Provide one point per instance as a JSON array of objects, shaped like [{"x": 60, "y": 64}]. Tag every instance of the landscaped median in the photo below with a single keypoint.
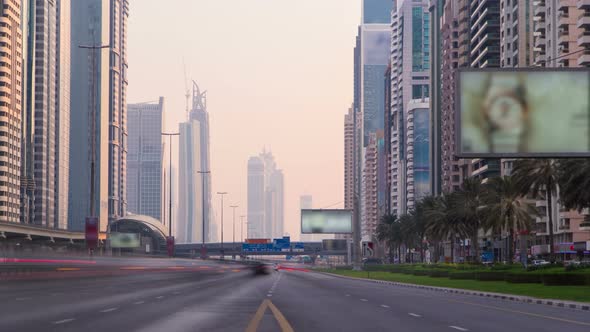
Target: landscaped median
[{"x": 548, "y": 283}]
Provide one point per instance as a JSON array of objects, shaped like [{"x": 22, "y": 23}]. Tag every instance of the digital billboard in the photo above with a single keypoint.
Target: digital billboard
[
  {"x": 523, "y": 112},
  {"x": 326, "y": 221},
  {"x": 124, "y": 240}
]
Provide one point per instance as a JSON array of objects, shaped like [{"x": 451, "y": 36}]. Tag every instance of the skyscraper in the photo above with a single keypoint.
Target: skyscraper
[
  {"x": 98, "y": 23},
  {"x": 255, "y": 197},
  {"x": 46, "y": 125},
  {"x": 410, "y": 72},
  {"x": 265, "y": 197},
  {"x": 144, "y": 159},
  {"x": 11, "y": 66},
  {"x": 348, "y": 159},
  {"x": 194, "y": 188}
]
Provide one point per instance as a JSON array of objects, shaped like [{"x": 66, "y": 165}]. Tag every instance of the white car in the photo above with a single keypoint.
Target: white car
[{"x": 539, "y": 262}]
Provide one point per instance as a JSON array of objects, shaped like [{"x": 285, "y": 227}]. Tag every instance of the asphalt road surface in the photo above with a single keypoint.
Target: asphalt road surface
[{"x": 205, "y": 296}]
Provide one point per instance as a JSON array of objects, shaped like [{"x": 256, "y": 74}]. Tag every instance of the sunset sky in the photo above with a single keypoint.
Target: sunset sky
[{"x": 279, "y": 75}]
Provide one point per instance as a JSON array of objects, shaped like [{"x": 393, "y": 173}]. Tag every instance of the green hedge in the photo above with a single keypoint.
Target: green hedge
[
  {"x": 563, "y": 279},
  {"x": 523, "y": 277},
  {"x": 462, "y": 275},
  {"x": 490, "y": 275},
  {"x": 439, "y": 273},
  {"x": 421, "y": 272}
]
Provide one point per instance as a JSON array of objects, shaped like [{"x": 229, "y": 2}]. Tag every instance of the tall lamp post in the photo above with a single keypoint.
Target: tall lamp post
[
  {"x": 222, "y": 194},
  {"x": 170, "y": 241},
  {"x": 242, "y": 228},
  {"x": 203, "y": 249},
  {"x": 92, "y": 217}
]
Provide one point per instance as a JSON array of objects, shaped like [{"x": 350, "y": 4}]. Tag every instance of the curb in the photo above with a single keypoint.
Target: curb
[{"x": 508, "y": 297}]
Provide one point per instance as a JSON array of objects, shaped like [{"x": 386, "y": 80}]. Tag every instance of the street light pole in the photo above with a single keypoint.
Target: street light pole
[
  {"x": 170, "y": 183},
  {"x": 234, "y": 224},
  {"x": 222, "y": 194},
  {"x": 203, "y": 253}
]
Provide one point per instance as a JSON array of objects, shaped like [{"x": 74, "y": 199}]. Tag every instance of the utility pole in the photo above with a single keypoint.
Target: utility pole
[
  {"x": 203, "y": 248},
  {"x": 242, "y": 228},
  {"x": 222, "y": 194}
]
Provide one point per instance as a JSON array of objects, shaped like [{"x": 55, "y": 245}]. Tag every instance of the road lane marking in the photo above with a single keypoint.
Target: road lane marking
[
  {"x": 269, "y": 295},
  {"x": 68, "y": 269},
  {"x": 280, "y": 318},
  {"x": 139, "y": 302},
  {"x": 176, "y": 293},
  {"x": 235, "y": 270},
  {"x": 109, "y": 309},
  {"x": 159, "y": 297},
  {"x": 364, "y": 300},
  {"x": 522, "y": 312},
  {"x": 385, "y": 306},
  {"x": 414, "y": 315},
  {"x": 347, "y": 295},
  {"x": 458, "y": 328},
  {"x": 23, "y": 298},
  {"x": 63, "y": 321},
  {"x": 133, "y": 268}
]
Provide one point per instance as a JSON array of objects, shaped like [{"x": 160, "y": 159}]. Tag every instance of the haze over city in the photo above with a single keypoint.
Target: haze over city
[{"x": 265, "y": 88}]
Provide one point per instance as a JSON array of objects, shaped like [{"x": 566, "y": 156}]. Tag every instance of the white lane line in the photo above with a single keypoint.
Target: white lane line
[
  {"x": 364, "y": 300},
  {"x": 159, "y": 297},
  {"x": 23, "y": 298},
  {"x": 269, "y": 295},
  {"x": 347, "y": 295},
  {"x": 413, "y": 314},
  {"x": 458, "y": 328},
  {"x": 109, "y": 309},
  {"x": 64, "y": 321},
  {"x": 139, "y": 302},
  {"x": 385, "y": 306}
]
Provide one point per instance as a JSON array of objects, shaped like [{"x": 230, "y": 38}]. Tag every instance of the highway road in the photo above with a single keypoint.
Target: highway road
[{"x": 206, "y": 296}]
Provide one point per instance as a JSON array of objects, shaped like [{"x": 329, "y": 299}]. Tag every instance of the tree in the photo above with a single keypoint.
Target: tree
[
  {"x": 388, "y": 233},
  {"x": 421, "y": 221},
  {"x": 443, "y": 221},
  {"x": 408, "y": 231},
  {"x": 574, "y": 181},
  {"x": 469, "y": 204},
  {"x": 505, "y": 209},
  {"x": 538, "y": 177}
]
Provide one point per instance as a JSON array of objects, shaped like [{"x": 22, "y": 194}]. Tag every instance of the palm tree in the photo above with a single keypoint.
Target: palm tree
[
  {"x": 505, "y": 209},
  {"x": 443, "y": 221},
  {"x": 469, "y": 203},
  {"x": 421, "y": 221},
  {"x": 408, "y": 231},
  {"x": 574, "y": 181},
  {"x": 534, "y": 177},
  {"x": 386, "y": 232}
]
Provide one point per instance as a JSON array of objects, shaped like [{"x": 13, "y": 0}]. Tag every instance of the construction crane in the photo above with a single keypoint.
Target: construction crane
[{"x": 187, "y": 94}]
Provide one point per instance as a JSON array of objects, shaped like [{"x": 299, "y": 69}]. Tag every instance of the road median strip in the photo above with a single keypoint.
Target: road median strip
[{"x": 502, "y": 296}]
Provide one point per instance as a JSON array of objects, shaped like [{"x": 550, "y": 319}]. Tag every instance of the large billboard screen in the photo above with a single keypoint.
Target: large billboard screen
[
  {"x": 326, "y": 221},
  {"x": 124, "y": 240},
  {"x": 523, "y": 112}
]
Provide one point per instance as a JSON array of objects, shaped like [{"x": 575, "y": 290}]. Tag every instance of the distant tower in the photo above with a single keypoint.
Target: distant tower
[{"x": 194, "y": 157}]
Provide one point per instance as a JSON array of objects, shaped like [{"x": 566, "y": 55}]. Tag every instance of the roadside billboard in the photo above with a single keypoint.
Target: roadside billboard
[
  {"x": 333, "y": 221},
  {"x": 523, "y": 112},
  {"x": 124, "y": 240}
]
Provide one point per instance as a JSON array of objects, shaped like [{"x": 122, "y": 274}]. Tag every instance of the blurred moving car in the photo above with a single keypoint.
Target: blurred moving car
[{"x": 261, "y": 268}]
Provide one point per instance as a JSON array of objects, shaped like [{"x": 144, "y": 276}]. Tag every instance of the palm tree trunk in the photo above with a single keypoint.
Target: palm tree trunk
[
  {"x": 550, "y": 212},
  {"x": 511, "y": 247},
  {"x": 475, "y": 246},
  {"x": 452, "y": 250},
  {"x": 399, "y": 254}
]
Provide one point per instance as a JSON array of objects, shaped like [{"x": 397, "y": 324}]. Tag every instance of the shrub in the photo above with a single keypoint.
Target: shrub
[
  {"x": 563, "y": 279},
  {"x": 523, "y": 277},
  {"x": 439, "y": 273},
  {"x": 421, "y": 272},
  {"x": 462, "y": 275},
  {"x": 543, "y": 267},
  {"x": 490, "y": 275}
]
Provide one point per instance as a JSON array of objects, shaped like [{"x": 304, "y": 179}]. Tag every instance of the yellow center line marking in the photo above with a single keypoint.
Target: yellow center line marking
[
  {"x": 523, "y": 313},
  {"x": 67, "y": 269},
  {"x": 283, "y": 323},
  {"x": 235, "y": 270}
]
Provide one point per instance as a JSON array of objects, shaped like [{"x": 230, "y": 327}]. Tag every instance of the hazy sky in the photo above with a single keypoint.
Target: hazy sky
[{"x": 278, "y": 74}]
